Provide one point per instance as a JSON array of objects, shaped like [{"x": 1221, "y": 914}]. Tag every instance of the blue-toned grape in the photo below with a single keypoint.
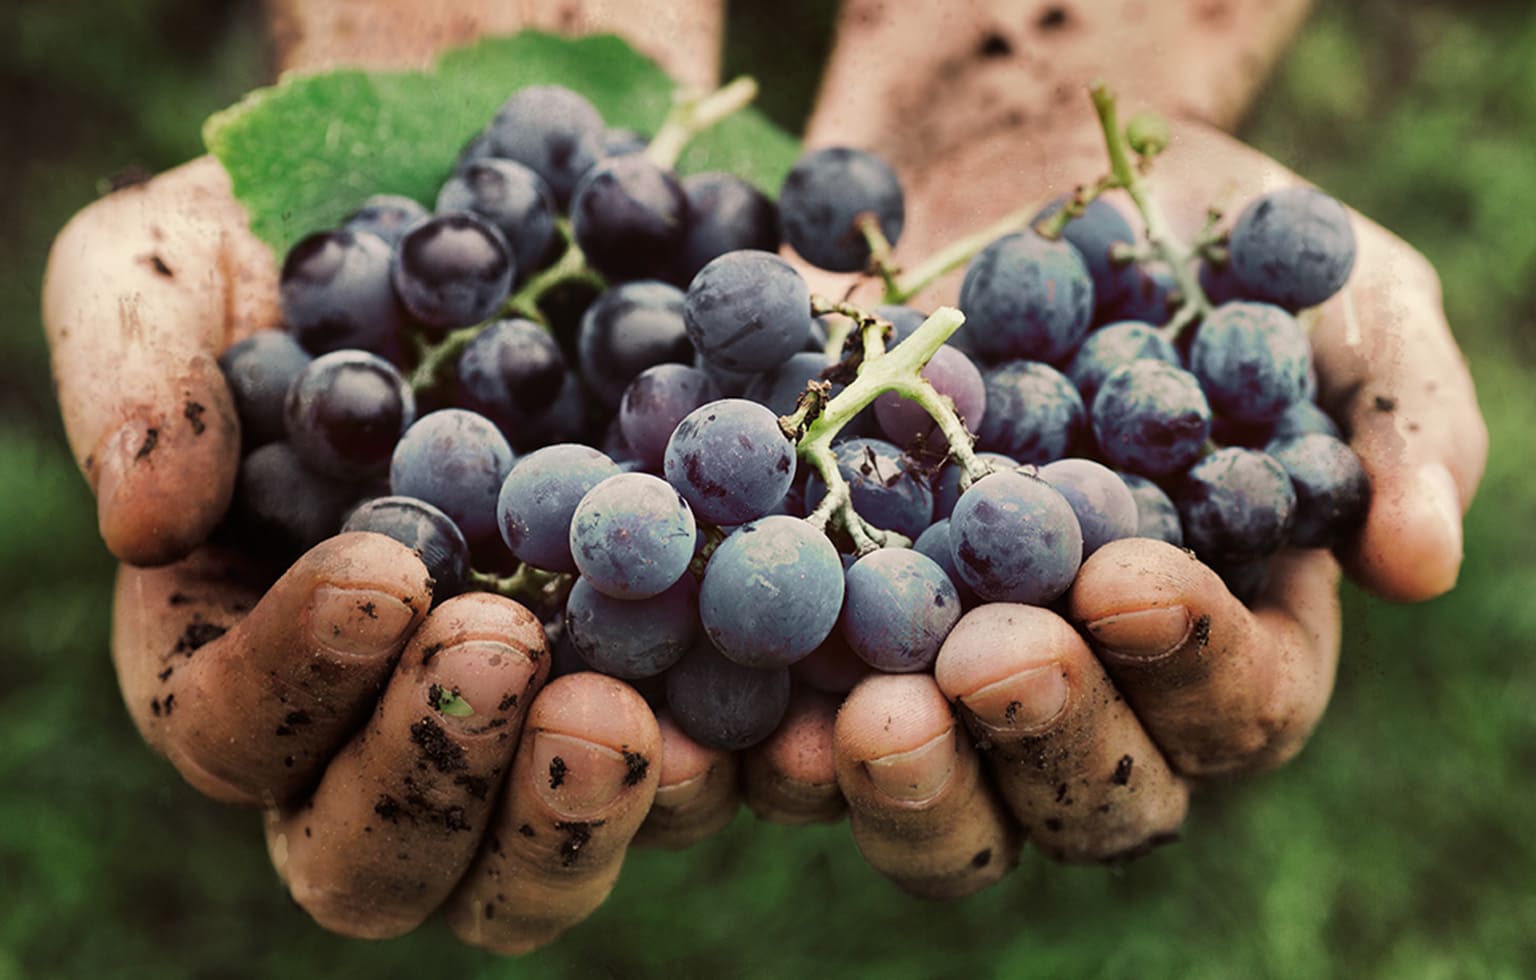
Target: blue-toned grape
[
  {"x": 1236, "y": 506},
  {"x": 1094, "y": 234},
  {"x": 1293, "y": 247},
  {"x": 630, "y": 218},
  {"x": 452, "y": 270},
  {"x": 1156, "y": 516},
  {"x": 888, "y": 490},
  {"x": 1014, "y": 538},
  {"x": 1332, "y": 491},
  {"x": 1152, "y": 297},
  {"x": 823, "y": 196},
  {"x": 1026, "y": 297},
  {"x": 425, "y": 529},
  {"x": 631, "y": 327},
  {"x": 1252, "y": 360},
  {"x": 748, "y": 311},
  {"x": 934, "y": 542},
  {"x": 514, "y": 199},
  {"x": 772, "y": 592},
  {"x": 1105, "y": 507},
  {"x": 1219, "y": 284},
  {"x": 946, "y": 488},
  {"x": 281, "y": 507},
  {"x": 633, "y": 638},
  {"x": 730, "y": 461},
  {"x": 539, "y": 498},
  {"x": 899, "y": 606},
  {"x": 632, "y": 536},
  {"x": 260, "y": 369},
  {"x": 552, "y": 131},
  {"x": 345, "y": 412},
  {"x": 725, "y": 705},
  {"x": 511, "y": 372},
  {"x": 725, "y": 213},
  {"x": 336, "y": 294},
  {"x": 952, "y": 375},
  {"x": 655, "y": 402},
  {"x": 1113, "y": 345},
  {"x": 1150, "y": 418},
  {"x": 1034, "y": 414},
  {"x": 1304, "y": 416},
  {"x": 455, "y": 460},
  {"x": 389, "y": 216}
]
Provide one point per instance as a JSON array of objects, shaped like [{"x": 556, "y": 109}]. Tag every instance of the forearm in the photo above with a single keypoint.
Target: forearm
[{"x": 316, "y": 34}]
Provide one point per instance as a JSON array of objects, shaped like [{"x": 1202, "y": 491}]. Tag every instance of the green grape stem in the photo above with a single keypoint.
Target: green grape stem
[
  {"x": 692, "y": 114},
  {"x": 527, "y": 584},
  {"x": 954, "y": 255}
]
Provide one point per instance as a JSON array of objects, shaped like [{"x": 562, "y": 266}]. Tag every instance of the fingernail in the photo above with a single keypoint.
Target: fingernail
[
  {"x": 577, "y": 778},
  {"x": 1142, "y": 635},
  {"x": 476, "y": 686},
  {"x": 1438, "y": 489},
  {"x": 670, "y": 797},
  {"x": 1026, "y": 701},
  {"x": 917, "y": 775},
  {"x": 358, "y": 622}
]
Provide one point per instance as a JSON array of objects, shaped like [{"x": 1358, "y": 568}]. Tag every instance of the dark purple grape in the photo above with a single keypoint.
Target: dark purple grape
[
  {"x": 452, "y": 270},
  {"x": 946, "y": 488},
  {"x": 722, "y": 704},
  {"x": 1293, "y": 247},
  {"x": 1105, "y": 507},
  {"x": 655, "y": 402},
  {"x": 822, "y": 198},
  {"x": 345, "y": 412},
  {"x": 1150, "y": 418},
  {"x": 511, "y": 372},
  {"x": 1014, "y": 538},
  {"x": 725, "y": 213},
  {"x": 1026, "y": 297},
  {"x": 730, "y": 461},
  {"x": 1252, "y": 360},
  {"x": 1113, "y": 345},
  {"x": 630, "y": 218},
  {"x": 934, "y": 542},
  {"x": 1152, "y": 297},
  {"x": 1034, "y": 414},
  {"x": 1236, "y": 506},
  {"x": 456, "y": 461},
  {"x": 260, "y": 369},
  {"x": 336, "y": 294},
  {"x": 1304, "y": 416},
  {"x": 1332, "y": 491},
  {"x": 389, "y": 216},
  {"x": 282, "y": 508},
  {"x": 1094, "y": 234},
  {"x": 904, "y": 323},
  {"x": 631, "y": 327},
  {"x": 781, "y": 387},
  {"x": 539, "y": 497},
  {"x": 633, "y": 638},
  {"x": 898, "y": 607},
  {"x": 888, "y": 490},
  {"x": 418, "y": 525},
  {"x": 632, "y": 536},
  {"x": 551, "y": 130},
  {"x": 1156, "y": 516},
  {"x": 514, "y": 199},
  {"x": 748, "y": 311}
]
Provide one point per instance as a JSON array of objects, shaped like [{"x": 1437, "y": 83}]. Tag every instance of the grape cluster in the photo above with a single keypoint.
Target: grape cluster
[{"x": 586, "y": 382}]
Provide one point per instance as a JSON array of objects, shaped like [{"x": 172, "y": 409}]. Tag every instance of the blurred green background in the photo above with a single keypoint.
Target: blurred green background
[{"x": 1399, "y": 845}]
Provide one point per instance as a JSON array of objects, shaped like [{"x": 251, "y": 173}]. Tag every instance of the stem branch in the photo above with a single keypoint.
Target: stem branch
[{"x": 692, "y": 114}]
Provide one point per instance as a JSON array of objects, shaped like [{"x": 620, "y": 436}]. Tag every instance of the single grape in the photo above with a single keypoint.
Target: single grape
[
  {"x": 748, "y": 311},
  {"x": 389, "y": 216},
  {"x": 514, "y": 199},
  {"x": 345, "y": 412},
  {"x": 1236, "y": 506},
  {"x": 1034, "y": 413},
  {"x": 1252, "y": 360},
  {"x": 899, "y": 607},
  {"x": 1014, "y": 538},
  {"x": 1152, "y": 297},
  {"x": 630, "y": 218},
  {"x": 511, "y": 372},
  {"x": 260, "y": 369},
  {"x": 1113, "y": 345},
  {"x": 1026, "y": 297},
  {"x": 1332, "y": 491},
  {"x": 425, "y": 529},
  {"x": 633, "y": 638},
  {"x": 1094, "y": 234},
  {"x": 953, "y": 376},
  {"x": 655, "y": 402},
  {"x": 823, "y": 196},
  {"x": 551, "y": 130},
  {"x": 631, "y": 327},
  {"x": 632, "y": 536},
  {"x": 946, "y": 488},
  {"x": 730, "y": 461},
  {"x": 887, "y": 489},
  {"x": 722, "y": 704},
  {"x": 1156, "y": 516},
  {"x": 336, "y": 294},
  {"x": 1293, "y": 247},
  {"x": 539, "y": 498},
  {"x": 282, "y": 508},
  {"x": 1219, "y": 283},
  {"x": 455, "y": 460},
  {"x": 1150, "y": 418},
  {"x": 725, "y": 213},
  {"x": 772, "y": 592},
  {"x": 1105, "y": 507},
  {"x": 452, "y": 270}
]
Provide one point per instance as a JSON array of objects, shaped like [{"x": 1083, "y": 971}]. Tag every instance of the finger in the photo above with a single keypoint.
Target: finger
[
  {"x": 584, "y": 777},
  {"x": 684, "y": 37},
  {"x": 920, "y": 811},
  {"x": 249, "y": 709},
  {"x": 401, "y": 810},
  {"x": 1066, "y": 752},
  {"x": 696, "y": 795},
  {"x": 144, "y": 288},
  {"x": 1220, "y": 688},
  {"x": 791, "y": 778}
]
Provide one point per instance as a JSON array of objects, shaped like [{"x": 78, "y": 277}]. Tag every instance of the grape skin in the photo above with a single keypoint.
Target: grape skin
[
  {"x": 511, "y": 372},
  {"x": 282, "y": 507},
  {"x": 514, "y": 199},
  {"x": 946, "y": 489},
  {"x": 1332, "y": 491},
  {"x": 887, "y": 490},
  {"x": 632, "y": 638},
  {"x": 655, "y": 403},
  {"x": 1034, "y": 413},
  {"x": 1150, "y": 418},
  {"x": 1105, "y": 508},
  {"x": 730, "y": 461},
  {"x": 1236, "y": 506},
  {"x": 725, "y": 705},
  {"x": 631, "y": 327},
  {"x": 632, "y": 536},
  {"x": 725, "y": 213},
  {"x": 551, "y": 130},
  {"x": 425, "y": 529},
  {"x": 387, "y": 215},
  {"x": 1293, "y": 247},
  {"x": 345, "y": 412},
  {"x": 1014, "y": 538},
  {"x": 1156, "y": 516},
  {"x": 748, "y": 311},
  {"x": 630, "y": 218},
  {"x": 452, "y": 270},
  {"x": 822, "y": 198},
  {"x": 1094, "y": 234},
  {"x": 336, "y": 294},
  {"x": 1111, "y": 346},
  {"x": 455, "y": 460},
  {"x": 1252, "y": 360},
  {"x": 899, "y": 606},
  {"x": 260, "y": 369},
  {"x": 539, "y": 497},
  {"x": 1026, "y": 297},
  {"x": 952, "y": 375}
]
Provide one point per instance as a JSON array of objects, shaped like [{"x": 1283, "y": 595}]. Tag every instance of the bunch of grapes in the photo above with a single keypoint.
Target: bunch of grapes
[{"x": 591, "y": 385}]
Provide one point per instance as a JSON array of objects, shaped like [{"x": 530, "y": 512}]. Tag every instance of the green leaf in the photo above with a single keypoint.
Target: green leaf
[
  {"x": 449, "y": 702},
  {"x": 304, "y": 153}
]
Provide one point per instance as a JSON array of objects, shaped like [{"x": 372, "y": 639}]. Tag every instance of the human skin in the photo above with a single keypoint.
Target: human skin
[{"x": 1157, "y": 663}]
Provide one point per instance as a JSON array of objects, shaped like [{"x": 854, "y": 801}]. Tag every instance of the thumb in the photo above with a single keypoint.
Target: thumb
[{"x": 144, "y": 289}]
